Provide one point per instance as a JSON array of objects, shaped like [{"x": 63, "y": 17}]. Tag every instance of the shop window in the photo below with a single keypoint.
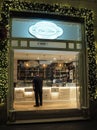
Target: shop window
[{"x": 59, "y": 70}]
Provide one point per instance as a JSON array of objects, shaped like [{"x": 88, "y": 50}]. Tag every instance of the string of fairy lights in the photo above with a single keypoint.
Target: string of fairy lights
[{"x": 17, "y": 5}]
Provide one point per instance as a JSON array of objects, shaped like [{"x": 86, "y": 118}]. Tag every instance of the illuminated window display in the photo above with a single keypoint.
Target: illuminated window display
[{"x": 59, "y": 71}]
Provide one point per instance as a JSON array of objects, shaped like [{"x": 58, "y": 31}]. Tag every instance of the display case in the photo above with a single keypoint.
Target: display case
[{"x": 26, "y": 93}]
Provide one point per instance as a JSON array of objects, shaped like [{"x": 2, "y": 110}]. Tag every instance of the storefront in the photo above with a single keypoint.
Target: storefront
[
  {"x": 55, "y": 49},
  {"x": 54, "y": 46}
]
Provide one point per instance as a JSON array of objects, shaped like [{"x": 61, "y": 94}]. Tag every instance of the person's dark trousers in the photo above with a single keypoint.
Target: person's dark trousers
[{"x": 38, "y": 98}]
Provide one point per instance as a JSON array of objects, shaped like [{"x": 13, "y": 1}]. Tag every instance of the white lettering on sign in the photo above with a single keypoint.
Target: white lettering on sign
[{"x": 45, "y": 30}]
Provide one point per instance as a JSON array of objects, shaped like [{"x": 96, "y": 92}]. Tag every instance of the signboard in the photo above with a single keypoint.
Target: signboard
[{"x": 37, "y": 28}]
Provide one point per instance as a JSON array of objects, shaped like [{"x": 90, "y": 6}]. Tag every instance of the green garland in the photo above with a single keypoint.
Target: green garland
[{"x": 59, "y": 10}]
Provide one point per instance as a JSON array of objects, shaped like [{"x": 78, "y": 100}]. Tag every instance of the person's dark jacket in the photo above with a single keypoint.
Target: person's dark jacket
[{"x": 37, "y": 83}]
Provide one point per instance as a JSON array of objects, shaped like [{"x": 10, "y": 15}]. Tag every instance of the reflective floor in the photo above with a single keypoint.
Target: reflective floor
[{"x": 46, "y": 105}]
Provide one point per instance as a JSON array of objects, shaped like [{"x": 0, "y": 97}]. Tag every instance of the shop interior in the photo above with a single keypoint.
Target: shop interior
[{"x": 60, "y": 72}]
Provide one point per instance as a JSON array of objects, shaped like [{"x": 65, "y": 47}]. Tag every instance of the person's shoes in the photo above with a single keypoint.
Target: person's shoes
[
  {"x": 40, "y": 104},
  {"x": 36, "y": 105}
]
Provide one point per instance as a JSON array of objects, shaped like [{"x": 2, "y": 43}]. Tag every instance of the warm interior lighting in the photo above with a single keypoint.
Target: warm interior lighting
[
  {"x": 60, "y": 65},
  {"x": 44, "y": 65},
  {"x": 26, "y": 64}
]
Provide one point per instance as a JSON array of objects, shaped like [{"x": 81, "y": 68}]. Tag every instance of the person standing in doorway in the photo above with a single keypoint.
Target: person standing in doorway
[{"x": 37, "y": 86}]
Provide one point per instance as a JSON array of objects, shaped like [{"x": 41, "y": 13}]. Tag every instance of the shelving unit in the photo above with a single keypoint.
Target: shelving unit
[{"x": 52, "y": 72}]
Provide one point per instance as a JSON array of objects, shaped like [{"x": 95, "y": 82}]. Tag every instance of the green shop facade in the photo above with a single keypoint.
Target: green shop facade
[{"x": 58, "y": 43}]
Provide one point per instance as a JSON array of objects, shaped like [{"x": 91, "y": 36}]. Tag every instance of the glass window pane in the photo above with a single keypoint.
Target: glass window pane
[{"x": 60, "y": 73}]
